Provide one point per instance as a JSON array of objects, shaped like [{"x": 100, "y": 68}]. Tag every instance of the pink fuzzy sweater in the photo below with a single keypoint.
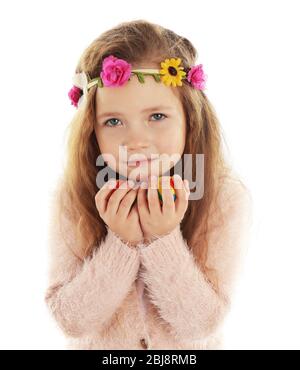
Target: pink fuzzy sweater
[{"x": 152, "y": 296}]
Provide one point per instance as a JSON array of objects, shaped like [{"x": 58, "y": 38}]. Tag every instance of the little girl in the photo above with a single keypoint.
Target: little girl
[{"x": 141, "y": 261}]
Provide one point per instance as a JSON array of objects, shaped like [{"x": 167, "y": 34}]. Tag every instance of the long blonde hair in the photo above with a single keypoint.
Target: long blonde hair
[{"x": 139, "y": 41}]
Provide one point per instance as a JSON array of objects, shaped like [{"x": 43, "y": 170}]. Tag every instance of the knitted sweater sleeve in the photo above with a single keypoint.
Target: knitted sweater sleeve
[
  {"x": 184, "y": 295},
  {"x": 83, "y": 295}
]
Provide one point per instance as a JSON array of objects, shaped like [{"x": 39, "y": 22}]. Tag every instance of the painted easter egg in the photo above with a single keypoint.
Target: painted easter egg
[{"x": 159, "y": 190}]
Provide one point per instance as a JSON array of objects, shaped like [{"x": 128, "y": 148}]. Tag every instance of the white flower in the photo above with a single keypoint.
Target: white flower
[{"x": 80, "y": 80}]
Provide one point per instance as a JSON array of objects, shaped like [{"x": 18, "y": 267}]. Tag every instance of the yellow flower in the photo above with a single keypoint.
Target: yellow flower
[{"x": 172, "y": 72}]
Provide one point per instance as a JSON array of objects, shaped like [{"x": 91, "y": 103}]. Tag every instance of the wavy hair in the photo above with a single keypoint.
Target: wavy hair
[{"x": 139, "y": 41}]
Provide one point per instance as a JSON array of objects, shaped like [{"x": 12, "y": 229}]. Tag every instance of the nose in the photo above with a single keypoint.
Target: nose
[{"x": 137, "y": 137}]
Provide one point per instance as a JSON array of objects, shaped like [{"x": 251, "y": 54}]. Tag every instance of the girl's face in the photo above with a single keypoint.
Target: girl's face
[{"x": 137, "y": 119}]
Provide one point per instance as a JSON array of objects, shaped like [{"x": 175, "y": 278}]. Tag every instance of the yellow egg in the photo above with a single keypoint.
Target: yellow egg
[{"x": 159, "y": 190}]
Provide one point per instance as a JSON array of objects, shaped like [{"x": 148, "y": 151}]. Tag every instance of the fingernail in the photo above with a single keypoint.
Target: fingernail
[
  {"x": 144, "y": 185},
  {"x": 186, "y": 183},
  {"x": 154, "y": 181},
  {"x": 124, "y": 185},
  {"x": 176, "y": 179},
  {"x": 112, "y": 184}
]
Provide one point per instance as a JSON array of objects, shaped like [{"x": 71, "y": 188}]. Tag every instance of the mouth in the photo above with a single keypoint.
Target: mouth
[{"x": 140, "y": 163}]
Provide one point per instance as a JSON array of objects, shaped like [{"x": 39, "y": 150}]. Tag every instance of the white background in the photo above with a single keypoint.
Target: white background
[{"x": 250, "y": 52}]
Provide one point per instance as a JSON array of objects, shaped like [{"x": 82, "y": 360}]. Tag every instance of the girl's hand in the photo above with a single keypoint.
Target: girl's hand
[
  {"x": 157, "y": 220},
  {"x": 114, "y": 207}
]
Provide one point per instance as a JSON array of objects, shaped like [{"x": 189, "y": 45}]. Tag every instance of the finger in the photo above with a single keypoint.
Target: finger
[
  {"x": 103, "y": 195},
  {"x": 181, "y": 194},
  {"x": 142, "y": 202},
  {"x": 133, "y": 213},
  {"x": 168, "y": 205},
  {"x": 187, "y": 188},
  {"x": 117, "y": 196},
  {"x": 153, "y": 199},
  {"x": 126, "y": 203}
]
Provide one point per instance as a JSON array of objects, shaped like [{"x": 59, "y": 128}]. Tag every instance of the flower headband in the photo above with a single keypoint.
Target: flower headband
[{"x": 116, "y": 72}]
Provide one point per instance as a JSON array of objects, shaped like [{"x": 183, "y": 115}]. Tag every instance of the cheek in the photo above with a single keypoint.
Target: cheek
[
  {"x": 108, "y": 141},
  {"x": 109, "y": 148},
  {"x": 171, "y": 142}
]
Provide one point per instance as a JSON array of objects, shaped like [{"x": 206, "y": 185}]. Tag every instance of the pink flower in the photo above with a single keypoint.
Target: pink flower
[
  {"x": 74, "y": 94},
  {"x": 115, "y": 72},
  {"x": 197, "y": 77}
]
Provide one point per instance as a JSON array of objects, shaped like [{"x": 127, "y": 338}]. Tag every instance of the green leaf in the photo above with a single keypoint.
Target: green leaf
[
  {"x": 156, "y": 77},
  {"x": 140, "y": 77}
]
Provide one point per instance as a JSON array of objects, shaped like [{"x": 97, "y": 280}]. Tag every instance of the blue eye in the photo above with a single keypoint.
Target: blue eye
[
  {"x": 159, "y": 114},
  {"x": 111, "y": 119}
]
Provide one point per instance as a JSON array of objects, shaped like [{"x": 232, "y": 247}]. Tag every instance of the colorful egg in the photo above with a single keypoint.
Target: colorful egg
[{"x": 159, "y": 190}]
